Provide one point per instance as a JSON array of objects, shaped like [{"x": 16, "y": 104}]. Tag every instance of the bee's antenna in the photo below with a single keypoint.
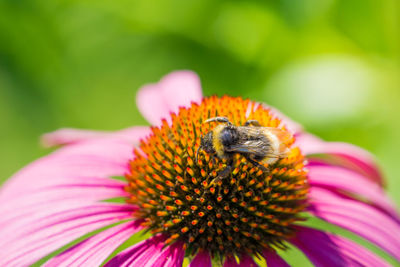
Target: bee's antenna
[{"x": 218, "y": 119}]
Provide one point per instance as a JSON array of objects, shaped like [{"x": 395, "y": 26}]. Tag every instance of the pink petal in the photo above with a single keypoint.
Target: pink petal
[
  {"x": 180, "y": 88},
  {"x": 56, "y": 198},
  {"x": 177, "y": 89},
  {"x": 325, "y": 249},
  {"x": 150, "y": 253},
  {"x": 171, "y": 256},
  {"x": 274, "y": 260},
  {"x": 52, "y": 184},
  {"x": 202, "y": 259},
  {"x": 152, "y": 104},
  {"x": 35, "y": 238},
  {"x": 95, "y": 158},
  {"x": 362, "y": 219},
  {"x": 94, "y": 250},
  {"x": 141, "y": 251},
  {"x": 245, "y": 261},
  {"x": 69, "y": 136},
  {"x": 350, "y": 182},
  {"x": 39, "y": 220},
  {"x": 341, "y": 154}
]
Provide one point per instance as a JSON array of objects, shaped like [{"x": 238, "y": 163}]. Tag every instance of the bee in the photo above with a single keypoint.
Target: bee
[{"x": 259, "y": 145}]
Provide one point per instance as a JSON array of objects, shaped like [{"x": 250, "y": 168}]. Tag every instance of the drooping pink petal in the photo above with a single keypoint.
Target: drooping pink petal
[
  {"x": 274, "y": 260},
  {"x": 177, "y": 89},
  {"x": 202, "y": 259},
  {"x": 141, "y": 251},
  {"x": 362, "y": 219},
  {"x": 56, "y": 198},
  {"x": 341, "y": 154},
  {"x": 245, "y": 261},
  {"x": 38, "y": 221},
  {"x": 94, "y": 158},
  {"x": 328, "y": 250},
  {"x": 69, "y": 178},
  {"x": 34, "y": 238},
  {"x": 171, "y": 256},
  {"x": 149, "y": 253},
  {"x": 94, "y": 250},
  {"x": 67, "y": 136},
  {"x": 351, "y": 182}
]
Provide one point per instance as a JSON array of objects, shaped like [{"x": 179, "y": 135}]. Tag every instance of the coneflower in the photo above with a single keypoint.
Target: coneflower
[{"x": 252, "y": 213}]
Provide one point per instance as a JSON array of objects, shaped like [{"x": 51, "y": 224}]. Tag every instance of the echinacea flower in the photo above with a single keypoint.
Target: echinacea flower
[{"x": 169, "y": 193}]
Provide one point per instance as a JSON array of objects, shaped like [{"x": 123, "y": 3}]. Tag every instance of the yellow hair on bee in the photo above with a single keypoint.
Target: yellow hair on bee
[{"x": 219, "y": 148}]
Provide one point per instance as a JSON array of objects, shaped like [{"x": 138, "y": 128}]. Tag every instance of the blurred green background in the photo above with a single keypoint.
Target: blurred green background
[{"x": 332, "y": 65}]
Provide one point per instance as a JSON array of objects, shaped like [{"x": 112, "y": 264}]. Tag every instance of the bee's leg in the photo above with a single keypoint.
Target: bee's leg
[
  {"x": 252, "y": 122},
  {"x": 255, "y": 163},
  {"x": 224, "y": 173}
]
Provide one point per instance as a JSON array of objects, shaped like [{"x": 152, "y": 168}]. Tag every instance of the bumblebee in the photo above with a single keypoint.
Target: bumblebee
[{"x": 259, "y": 145}]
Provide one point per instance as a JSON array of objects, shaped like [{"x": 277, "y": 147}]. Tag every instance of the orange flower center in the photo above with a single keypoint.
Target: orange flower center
[{"x": 250, "y": 208}]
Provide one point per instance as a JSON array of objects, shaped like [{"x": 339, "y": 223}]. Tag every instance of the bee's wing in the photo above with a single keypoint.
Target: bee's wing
[
  {"x": 247, "y": 147},
  {"x": 282, "y": 135},
  {"x": 275, "y": 148},
  {"x": 254, "y": 148},
  {"x": 282, "y": 139}
]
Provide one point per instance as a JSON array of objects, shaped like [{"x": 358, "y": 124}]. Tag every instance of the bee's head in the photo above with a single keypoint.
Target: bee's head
[{"x": 206, "y": 144}]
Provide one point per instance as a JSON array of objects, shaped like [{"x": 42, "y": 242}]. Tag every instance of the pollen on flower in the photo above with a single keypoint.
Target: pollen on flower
[{"x": 250, "y": 209}]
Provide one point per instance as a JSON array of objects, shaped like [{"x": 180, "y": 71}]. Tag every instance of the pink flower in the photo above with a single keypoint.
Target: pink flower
[{"x": 60, "y": 197}]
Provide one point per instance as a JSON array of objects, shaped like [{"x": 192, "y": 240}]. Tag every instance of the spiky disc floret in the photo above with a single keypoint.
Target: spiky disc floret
[{"x": 248, "y": 211}]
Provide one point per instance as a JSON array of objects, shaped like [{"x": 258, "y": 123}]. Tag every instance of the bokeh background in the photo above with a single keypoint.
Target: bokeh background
[{"x": 332, "y": 65}]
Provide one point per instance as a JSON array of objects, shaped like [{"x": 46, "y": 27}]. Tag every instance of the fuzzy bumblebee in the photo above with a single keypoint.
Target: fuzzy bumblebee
[{"x": 258, "y": 145}]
